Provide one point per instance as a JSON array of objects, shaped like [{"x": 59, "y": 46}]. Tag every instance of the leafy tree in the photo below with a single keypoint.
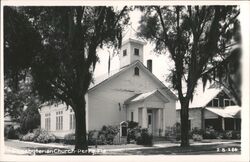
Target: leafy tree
[
  {"x": 21, "y": 43},
  {"x": 30, "y": 118},
  {"x": 14, "y": 102},
  {"x": 62, "y": 69},
  {"x": 197, "y": 38},
  {"x": 18, "y": 54},
  {"x": 228, "y": 74}
]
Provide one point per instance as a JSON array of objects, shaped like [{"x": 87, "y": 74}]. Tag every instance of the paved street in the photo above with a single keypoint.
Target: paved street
[{"x": 15, "y": 147}]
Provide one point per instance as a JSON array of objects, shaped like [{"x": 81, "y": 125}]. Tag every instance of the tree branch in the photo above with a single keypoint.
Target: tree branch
[{"x": 163, "y": 25}]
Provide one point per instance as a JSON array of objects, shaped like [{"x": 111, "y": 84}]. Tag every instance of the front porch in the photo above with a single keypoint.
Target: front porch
[
  {"x": 228, "y": 118},
  {"x": 152, "y": 119},
  {"x": 149, "y": 110}
]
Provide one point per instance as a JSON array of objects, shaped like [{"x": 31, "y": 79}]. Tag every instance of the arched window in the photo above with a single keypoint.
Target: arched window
[{"x": 136, "y": 71}]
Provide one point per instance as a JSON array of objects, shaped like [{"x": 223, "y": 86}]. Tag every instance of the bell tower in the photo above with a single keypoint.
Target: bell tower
[{"x": 131, "y": 51}]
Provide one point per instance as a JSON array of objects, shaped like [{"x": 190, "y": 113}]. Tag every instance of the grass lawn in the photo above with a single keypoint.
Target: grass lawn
[{"x": 232, "y": 148}]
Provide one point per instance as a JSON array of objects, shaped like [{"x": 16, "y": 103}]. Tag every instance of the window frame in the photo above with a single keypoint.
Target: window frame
[
  {"x": 59, "y": 120},
  {"x": 218, "y": 104},
  {"x": 136, "y": 53},
  {"x": 224, "y": 101},
  {"x": 124, "y": 52},
  {"x": 47, "y": 122},
  {"x": 72, "y": 120},
  {"x": 136, "y": 71}
]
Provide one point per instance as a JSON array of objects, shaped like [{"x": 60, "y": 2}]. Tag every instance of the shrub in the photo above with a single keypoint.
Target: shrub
[
  {"x": 132, "y": 124},
  {"x": 101, "y": 140},
  {"x": 144, "y": 138},
  {"x": 44, "y": 137},
  {"x": 69, "y": 139},
  {"x": 173, "y": 132},
  {"x": 107, "y": 134},
  {"x": 210, "y": 133},
  {"x": 12, "y": 133},
  {"x": 236, "y": 135},
  {"x": 132, "y": 130},
  {"x": 28, "y": 137},
  {"x": 133, "y": 133},
  {"x": 227, "y": 135},
  {"x": 39, "y": 135},
  {"x": 197, "y": 137},
  {"x": 91, "y": 139},
  {"x": 197, "y": 131},
  {"x": 30, "y": 118}
]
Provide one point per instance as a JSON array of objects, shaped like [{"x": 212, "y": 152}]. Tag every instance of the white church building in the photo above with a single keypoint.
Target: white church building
[{"x": 131, "y": 93}]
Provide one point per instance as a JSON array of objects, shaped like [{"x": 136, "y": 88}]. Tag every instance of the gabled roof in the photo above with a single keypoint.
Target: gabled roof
[
  {"x": 106, "y": 78},
  {"x": 227, "y": 112},
  {"x": 144, "y": 96},
  {"x": 202, "y": 98}
]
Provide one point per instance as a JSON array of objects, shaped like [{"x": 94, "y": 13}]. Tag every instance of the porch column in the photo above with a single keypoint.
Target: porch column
[
  {"x": 159, "y": 125},
  {"x": 223, "y": 123},
  {"x": 144, "y": 117},
  {"x": 164, "y": 121}
]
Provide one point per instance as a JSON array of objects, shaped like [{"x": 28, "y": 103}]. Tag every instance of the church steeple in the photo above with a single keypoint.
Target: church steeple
[{"x": 132, "y": 49}]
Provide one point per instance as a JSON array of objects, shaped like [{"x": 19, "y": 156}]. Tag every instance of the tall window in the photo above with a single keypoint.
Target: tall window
[
  {"x": 59, "y": 120},
  {"x": 124, "y": 52},
  {"x": 226, "y": 102},
  {"x": 47, "y": 121},
  {"x": 136, "y": 51},
  {"x": 132, "y": 116},
  {"x": 215, "y": 102},
  {"x": 136, "y": 71},
  {"x": 72, "y": 121}
]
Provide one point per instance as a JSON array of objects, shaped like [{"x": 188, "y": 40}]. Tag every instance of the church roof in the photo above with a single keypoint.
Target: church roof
[
  {"x": 106, "y": 78},
  {"x": 98, "y": 80}
]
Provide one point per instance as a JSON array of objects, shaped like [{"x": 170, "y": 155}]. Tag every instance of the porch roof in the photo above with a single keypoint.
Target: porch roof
[
  {"x": 227, "y": 112},
  {"x": 143, "y": 96}
]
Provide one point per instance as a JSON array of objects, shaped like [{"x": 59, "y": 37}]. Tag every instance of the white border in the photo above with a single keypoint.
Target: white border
[{"x": 244, "y": 16}]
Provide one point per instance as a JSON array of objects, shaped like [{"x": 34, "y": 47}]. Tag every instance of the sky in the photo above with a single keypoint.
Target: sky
[{"x": 161, "y": 63}]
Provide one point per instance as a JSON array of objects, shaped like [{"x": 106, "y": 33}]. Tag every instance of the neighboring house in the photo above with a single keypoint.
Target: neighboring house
[
  {"x": 131, "y": 93},
  {"x": 213, "y": 108}
]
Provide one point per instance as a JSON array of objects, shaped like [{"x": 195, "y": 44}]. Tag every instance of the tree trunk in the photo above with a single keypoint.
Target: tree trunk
[
  {"x": 80, "y": 130},
  {"x": 184, "y": 123}
]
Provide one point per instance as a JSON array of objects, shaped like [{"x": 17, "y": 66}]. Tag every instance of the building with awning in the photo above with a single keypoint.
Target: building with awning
[{"x": 215, "y": 108}]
